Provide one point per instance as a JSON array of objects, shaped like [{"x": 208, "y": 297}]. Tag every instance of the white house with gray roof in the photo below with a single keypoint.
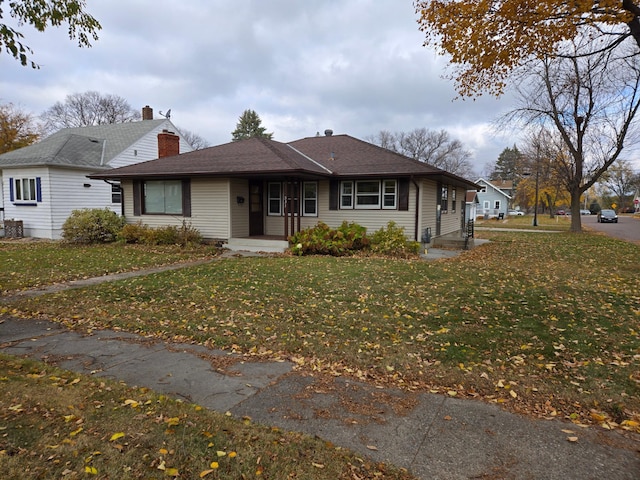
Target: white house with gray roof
[{"x": 42, "y": 183}]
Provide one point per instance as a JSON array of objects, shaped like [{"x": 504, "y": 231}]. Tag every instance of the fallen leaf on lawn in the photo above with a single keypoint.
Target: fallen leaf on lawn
[
  {"x": 214, "y": 465},
  {"x": 513, "y": 394},
  {"x": 204, "y": 473},
  {"x": 91, "y": 470},
  {"x": 372, "y": 447},
  {"x": 568, "y": 431},
  {"x": 317, "y": 465},
  {"x": 171, "y": 472},
  {"x": 116, "y": 436},
  {"x": 572, "y": 439}
]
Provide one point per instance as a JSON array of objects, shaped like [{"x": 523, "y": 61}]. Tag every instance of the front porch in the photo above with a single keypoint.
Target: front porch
[{"x": 258, "y": 243}]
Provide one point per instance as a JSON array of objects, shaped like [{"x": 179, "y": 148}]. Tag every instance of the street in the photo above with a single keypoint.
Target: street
[{"x": 627, "y": 228}]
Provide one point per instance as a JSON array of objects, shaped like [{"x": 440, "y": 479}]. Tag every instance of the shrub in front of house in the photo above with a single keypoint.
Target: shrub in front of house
[
  {"x": 167, "y": 235},
  {"x": 324, "y": 240},
  {"x": 393, "y": 241},
  {"x": 92, "y": 225}
]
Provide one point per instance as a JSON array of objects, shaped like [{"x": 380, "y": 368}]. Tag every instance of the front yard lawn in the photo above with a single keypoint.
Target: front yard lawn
[
  {"x": 29, "y": 264},
  {"x": 545, "y": 324}
]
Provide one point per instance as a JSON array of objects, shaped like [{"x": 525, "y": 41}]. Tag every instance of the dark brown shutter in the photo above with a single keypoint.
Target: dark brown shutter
[
  {"x": 334, "y": 189},
  {"x": 186, "y": 198},
  {"x": 403, "y": 194},
  {"x": 137, "y": 198}
]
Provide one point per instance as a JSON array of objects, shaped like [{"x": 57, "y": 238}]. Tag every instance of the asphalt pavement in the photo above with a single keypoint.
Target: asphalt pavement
[{"x": 433, "y": 436}]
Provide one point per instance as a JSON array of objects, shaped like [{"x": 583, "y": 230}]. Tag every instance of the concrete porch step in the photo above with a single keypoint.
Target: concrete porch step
[{"x": 256, "y": 245}]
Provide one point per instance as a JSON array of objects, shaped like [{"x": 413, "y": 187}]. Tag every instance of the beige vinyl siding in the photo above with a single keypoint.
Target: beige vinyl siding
[
  {"x": 209, "y": 209},
  {"x": 428, "y": 206},
  {"x": 239, "y": 212},
  {"x": 372, "y": 219},
  {"x": 450, "y": 222}
]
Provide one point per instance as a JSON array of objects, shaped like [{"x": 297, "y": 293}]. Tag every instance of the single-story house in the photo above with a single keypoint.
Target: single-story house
[
  {"x": 493, "y": 202},
  {"x": 260, "y": 188},
  {"x": 42, "y": 183}
]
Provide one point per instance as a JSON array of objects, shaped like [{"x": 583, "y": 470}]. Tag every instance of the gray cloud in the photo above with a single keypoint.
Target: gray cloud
[{"x": 356, "y": 66}]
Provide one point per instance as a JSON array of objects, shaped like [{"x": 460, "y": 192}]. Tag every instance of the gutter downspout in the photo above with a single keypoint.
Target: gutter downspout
[{"x": 416, "y": 237}]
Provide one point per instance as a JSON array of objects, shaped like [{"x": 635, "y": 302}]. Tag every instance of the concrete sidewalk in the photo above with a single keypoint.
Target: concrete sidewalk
[{"x": 433, "y": 436}]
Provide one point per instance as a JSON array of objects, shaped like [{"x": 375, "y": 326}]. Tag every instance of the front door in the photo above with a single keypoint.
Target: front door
[{"x": 256, "y": 209}]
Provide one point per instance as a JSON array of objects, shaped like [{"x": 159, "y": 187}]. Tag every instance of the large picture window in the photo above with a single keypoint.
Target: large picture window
[{"x": 163, "y": 196}]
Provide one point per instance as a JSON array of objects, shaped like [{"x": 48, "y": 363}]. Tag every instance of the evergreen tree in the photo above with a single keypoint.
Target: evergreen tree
[
  {"x": 508, "y": 165},
  {"x": 249, "y": 125}
]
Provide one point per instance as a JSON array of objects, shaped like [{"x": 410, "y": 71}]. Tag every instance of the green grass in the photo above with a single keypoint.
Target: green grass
[
  {"x": 33, "y": 264},
  {"x": 56, "y": 424},
  {"x": 545, "y": 222},
  {"x": 547, "y": 324}
]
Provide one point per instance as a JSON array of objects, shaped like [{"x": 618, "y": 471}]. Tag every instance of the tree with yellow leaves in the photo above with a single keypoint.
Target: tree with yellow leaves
[
  {"x": 17, "y": 128},
  {"x": 487, "y": 40}
]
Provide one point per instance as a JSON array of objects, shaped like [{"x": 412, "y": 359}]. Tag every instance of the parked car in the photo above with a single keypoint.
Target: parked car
[
  {"x": 585, "y": 212},
  {"x": 607, "y": 216},
  {"x": 515, "y": 212},
  {"x": 560, "y": 212}
]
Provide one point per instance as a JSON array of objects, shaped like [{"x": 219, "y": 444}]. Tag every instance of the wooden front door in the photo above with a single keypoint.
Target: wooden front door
[{"x": 256, "y": 209}]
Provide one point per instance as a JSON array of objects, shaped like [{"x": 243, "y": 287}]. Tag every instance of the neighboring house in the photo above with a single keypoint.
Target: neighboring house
[
  {"x": 260, "y": 188},
  {"x": 493, "y": 202},
  {"x": 41, "y": 184}
]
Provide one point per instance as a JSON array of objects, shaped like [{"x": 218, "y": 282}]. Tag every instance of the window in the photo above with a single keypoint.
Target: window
[
  {"x": 275, "y": 199},
  {"x": 310, "y": 199},
  {"x": 371, "y": 195},
  {"x": 497, "y": 205},
  {"x": 163, "y": 196},
  {"x": 453, "y": 200},
  {"x": 485, "y": 204},
  {"x": 389, "y": 190},
  {"x": 445, "y": 198},
  {"x": 25, "y": 190},
  {"x": 368, "y": 194},
  {"x": 346, "y": 195},
  {"x": 116, "y": 193}
]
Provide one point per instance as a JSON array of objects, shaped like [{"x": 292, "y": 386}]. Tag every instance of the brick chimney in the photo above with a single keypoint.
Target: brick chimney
[
  {"x": 168, "y": 144},
  {"x": 147, "y": 113}
]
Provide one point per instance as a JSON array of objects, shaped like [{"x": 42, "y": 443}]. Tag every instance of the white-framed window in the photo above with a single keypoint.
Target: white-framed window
[
  {"x": 346, "y": 194},
  {"x": 485, "y": 204},
  {"x": 25, "y": 189},
  {"x": 367, "y": 194},
  {"x": 274, "y": 198},
  {"x": 310, "y": 199},
  {"x": 444, "y": 202},
  {"x": 389, "y": 194},
  {"x": 497, "y": 205},
  {"x": 163, "y": 196},
  {"x": 116, "y": 193},
  {"x": 453, "y": 200}
]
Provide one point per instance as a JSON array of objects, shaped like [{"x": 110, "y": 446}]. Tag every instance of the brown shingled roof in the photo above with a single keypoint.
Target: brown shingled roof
[{"x": 327, "y": 156}]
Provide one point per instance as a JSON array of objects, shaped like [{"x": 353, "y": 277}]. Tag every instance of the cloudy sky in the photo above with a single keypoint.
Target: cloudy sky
[{"x": 355, "y": 66}]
